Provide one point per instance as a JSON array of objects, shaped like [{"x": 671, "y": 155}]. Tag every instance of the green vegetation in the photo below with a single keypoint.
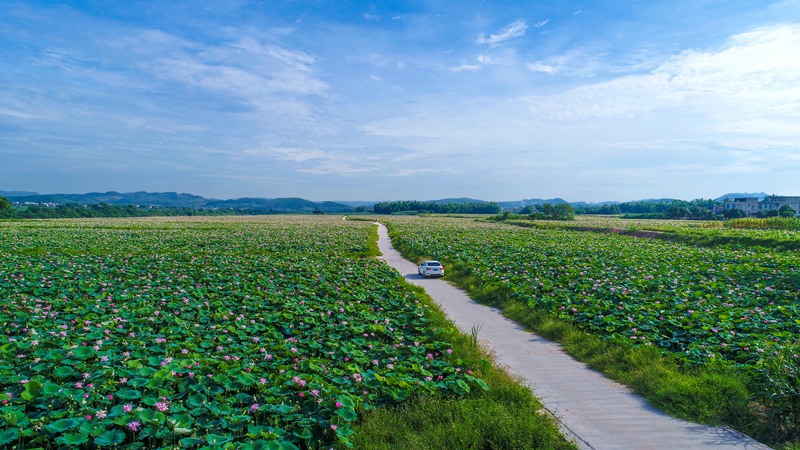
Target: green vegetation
[
  {"x": 690, "y": 328},
  {"x": 773, "y": 234},
  {"x": 695, "y": 209},
  {"x": 504, "y": 417},
  {"x": 103, "y": 210},
  {"x": 192, "y": 332},
  {"x": 438, "y": 208},
  {"x": 772, "y": 223},
  {"x": 560, "y": 212}
]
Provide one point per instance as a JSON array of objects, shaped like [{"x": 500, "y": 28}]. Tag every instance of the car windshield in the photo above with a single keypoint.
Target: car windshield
[{"x": 433, "y": 263}]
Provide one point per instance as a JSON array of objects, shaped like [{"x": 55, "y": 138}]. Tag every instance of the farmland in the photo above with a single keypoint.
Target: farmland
[
  {"x": 190, "y": 332},
  {"x": 731, "y": 310},
  {"x": 697, "y": 302}
]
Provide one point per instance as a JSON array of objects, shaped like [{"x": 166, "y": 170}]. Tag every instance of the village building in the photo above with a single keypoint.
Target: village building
[
  {"x": 775, "y": 202},
  {"x": 752, "y": 205},
  {"x": 747, "y": 204}
]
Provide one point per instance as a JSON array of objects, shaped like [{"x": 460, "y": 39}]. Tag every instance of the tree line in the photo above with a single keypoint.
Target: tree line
[
  {"x": 699, "y": 209},
  {"x": 438, "y": 208},
  {"x": 8, "y": 211}
]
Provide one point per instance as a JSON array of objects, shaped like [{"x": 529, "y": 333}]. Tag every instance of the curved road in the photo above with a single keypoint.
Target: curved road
[{"x": 595, "y": 411}]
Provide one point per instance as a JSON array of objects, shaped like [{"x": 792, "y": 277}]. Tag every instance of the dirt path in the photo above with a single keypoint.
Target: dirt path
[{"x": 598, "y": 413}]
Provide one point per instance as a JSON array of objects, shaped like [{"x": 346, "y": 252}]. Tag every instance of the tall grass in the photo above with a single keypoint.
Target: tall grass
[{"x": 772, "y": 223}]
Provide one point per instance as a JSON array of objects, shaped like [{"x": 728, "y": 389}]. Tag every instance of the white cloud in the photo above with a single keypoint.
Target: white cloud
[
  {"x": 412, "y": 172},
  {"x": 295, "y": 154},
  {"x": 513, "y": 30},
  {"x": 466, "y": 68},
  {"x": 541, "y": 23},
  {"x": 541, "y": 67},
  {"x": 483, "y": 60},
  {"x": 753, "y": 83},
  {"x": 372, "y": 17}
]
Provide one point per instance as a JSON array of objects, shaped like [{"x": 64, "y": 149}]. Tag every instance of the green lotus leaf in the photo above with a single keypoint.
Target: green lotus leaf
[
  {"x": 83, "y": 352},
  {"x": 214, "y": 439},
  {"x": 196, "y": 400},
  {"x": 110, "y": 437},
  {"x": 64, "y": 372},
  {"x": 191, "y": 442},
  {"x": 72, "y": 438},
  {"x": 129, "y": 394},
  {"x": 9, "y": 435},
  {"x": 347, "y": 413},
  {"x": 147, "y": 371},
  {"x": 138, "y": 382},
  {"x": 62, "y": 425},
  {"x": 32, "y": 389},
  {"x": 280, "y": 445}
]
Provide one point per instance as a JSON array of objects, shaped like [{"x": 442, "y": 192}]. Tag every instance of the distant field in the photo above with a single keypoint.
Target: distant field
[{"x": 196, "y": 332}]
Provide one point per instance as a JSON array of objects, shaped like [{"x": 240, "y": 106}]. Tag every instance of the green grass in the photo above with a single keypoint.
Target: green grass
[{"x": 506, "y": 416}]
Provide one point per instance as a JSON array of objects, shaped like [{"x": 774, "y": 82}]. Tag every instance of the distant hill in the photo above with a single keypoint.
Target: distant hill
[
  {"x": 7, "y": 194},
  {"x": 176, "y": 200},
  {"x": 291, "y": 204},
  {"x": 458, "y": 201},
  {"x": 741, "y": 195}
]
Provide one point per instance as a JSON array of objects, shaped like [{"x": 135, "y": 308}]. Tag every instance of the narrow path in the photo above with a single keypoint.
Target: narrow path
[{"x": 599, "y": 413}]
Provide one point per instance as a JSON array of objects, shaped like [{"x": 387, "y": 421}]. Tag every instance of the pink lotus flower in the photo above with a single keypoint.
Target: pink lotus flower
[{"x": 133, "y": 426}]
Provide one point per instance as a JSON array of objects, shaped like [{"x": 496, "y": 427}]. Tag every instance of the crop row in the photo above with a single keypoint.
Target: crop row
[
  {"x": 164, "y": 333},
  {"x": 700, "y": 303}
]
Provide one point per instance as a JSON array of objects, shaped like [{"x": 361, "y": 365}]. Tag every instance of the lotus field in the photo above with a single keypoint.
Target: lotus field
[
  {"x": 269, "y": 332},
  {"x": 699, "y": 303}
]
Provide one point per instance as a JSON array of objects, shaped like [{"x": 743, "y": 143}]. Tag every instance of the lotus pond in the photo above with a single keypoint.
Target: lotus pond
[
  {"x": 263, "y": 332},
  {"x": 699, "y": 303}
]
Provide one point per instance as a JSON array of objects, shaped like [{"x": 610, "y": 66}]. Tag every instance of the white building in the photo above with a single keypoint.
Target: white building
[
  {"x": 774, "y": 202},
  {"x": 749, "y": 205},
  {"x": 752, "y": 205}
]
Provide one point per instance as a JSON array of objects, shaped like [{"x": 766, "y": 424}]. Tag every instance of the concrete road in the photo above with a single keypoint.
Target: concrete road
[{"x": 595, "y": 411}]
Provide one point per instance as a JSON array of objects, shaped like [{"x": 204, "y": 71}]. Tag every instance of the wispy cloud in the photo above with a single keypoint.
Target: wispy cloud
[
  {"x": 511, "y": 31},
  {"x": 756, "y": 76},
  {"x": 411, "y": 172},
  {"x": 482, "y": 60},
  {"x": 294, "y": 154},
  {"x": 541, "y": 67}
]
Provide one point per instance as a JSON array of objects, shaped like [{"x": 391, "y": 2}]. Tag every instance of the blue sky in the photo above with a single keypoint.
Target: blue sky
[{"x": 335, "y": 100}]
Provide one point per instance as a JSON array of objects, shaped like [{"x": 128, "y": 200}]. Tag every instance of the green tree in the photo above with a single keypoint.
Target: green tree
[
  {"x": 563, "y": 211},
  {"x": 733, "y": 213},
  {"x": 4, "y": 204},
  {"x": 786, "y": 211},
  {"x": 678, "y": 212}
]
